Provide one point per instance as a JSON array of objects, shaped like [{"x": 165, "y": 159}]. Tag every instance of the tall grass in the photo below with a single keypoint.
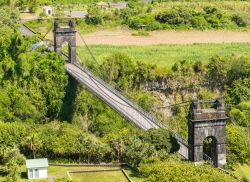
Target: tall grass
[{"x": 166, "y": 55}]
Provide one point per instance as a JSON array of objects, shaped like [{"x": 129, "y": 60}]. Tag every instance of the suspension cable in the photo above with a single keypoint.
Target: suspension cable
[
  {"x": 90, "y": 52},
  {"x": 128, "y": 106},
  {"x": 48, "y": 31}
]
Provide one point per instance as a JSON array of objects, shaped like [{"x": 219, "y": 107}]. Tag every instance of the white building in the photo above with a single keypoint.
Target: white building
[
  {"x": 37, "y": 168},
  {"x": 48, "y": 10}
]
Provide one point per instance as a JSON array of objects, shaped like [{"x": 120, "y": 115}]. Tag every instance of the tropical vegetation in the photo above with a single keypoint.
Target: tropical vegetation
[{"x": 44, "y": 112}]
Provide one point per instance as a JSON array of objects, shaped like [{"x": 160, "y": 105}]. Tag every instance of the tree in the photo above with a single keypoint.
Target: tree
[
  {"x": 9, "y": 16},
  {"x": 11, "y": 134},
  {"x": 217, "y": 70},
  {"x": 161, "y": 139},
  {"x": 146, "y": 101},
  {"x": 94, "y": 15},
  {"x": 238, "y": 92},
  {"x": 240, "y": 69},
  {"x": 182, "y": 79},
  {"x": 119, "y": 70},
  {"x": 143, "y": 73},
  {"x": 238, "y": 148},
  {"x": 33, "y": 89},
  {"x": 245, "y": 108},
  {"x": 239, "y": 21},
  {"x": 33, "y": 142},
  {"x": 33, "y": 5},
  {"x": 12, "y": 161},
  {"x": 238, "y": 117},
  {"x": 136, "y": 151}
]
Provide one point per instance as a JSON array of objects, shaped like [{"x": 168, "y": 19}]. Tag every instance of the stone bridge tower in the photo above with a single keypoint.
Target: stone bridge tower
[
  {"x": 207, "y": 123},
  {"x": 65, "y": 34}
]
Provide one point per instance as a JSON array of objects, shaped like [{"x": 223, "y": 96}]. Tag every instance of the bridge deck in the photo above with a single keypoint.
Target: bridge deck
[{"x": 112, "y": 97}]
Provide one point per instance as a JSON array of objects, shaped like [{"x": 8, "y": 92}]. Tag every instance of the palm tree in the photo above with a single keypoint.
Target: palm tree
[{"x": 33, "y": 142}]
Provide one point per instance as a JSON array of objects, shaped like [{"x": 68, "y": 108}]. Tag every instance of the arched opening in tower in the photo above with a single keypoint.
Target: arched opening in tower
[{"x": 210, "y": 149}]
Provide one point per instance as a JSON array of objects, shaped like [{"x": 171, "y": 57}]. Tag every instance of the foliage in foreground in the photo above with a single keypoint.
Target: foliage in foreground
[
  {"x": 58, "y": 141},
  {"x": 182, "y": 171}
]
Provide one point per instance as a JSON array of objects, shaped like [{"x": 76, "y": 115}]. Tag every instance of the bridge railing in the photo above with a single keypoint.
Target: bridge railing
[
  {"x": 115, "y": 106},
  {"x": 122, "y": 96},
  {"x": 207, "y": 158}
]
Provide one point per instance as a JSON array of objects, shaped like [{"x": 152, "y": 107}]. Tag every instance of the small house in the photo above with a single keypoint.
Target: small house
[
  {"x": 37, "y": 168},
  {"x": 48, "y": 10},
  {"x": 102, "y": 5}
]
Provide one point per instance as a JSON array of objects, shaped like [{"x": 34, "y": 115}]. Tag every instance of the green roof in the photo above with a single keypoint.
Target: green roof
[{"x": 36, "y": 163}]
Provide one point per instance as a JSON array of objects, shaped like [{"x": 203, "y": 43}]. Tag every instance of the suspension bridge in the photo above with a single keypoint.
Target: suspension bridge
[
  {"x": 130, "y": 110},
  {"x": 115, "y": 99},
  {"x": 118, "y": 101}
]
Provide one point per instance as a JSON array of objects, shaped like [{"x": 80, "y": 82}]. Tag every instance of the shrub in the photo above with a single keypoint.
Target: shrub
[
  {"x": 42, "y": 15},
  {"x": 133, "y": 9},
  {"x": 143, "y": 20},
  {"x": 239, "y": 21},
  {"x": 182, "y": 171},
  {"x": 199, "y": 22},
  {"x": 94, "y": 16},
  {"x": 140, "y": 33},
  {"x": 110, "y": 15},
  {"x": 245, "y": 108},
  {"x": 146, "y": 102},
  {"x": 175, "y": 16},
  {"x": 238, "y": 148},
  {"x": 213, "y": 16},
  {"x": 238, "y": 117},
  {"x": 213, "y": 21}
]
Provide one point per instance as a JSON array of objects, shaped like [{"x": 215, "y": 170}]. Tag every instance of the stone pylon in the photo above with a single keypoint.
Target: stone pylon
[
  {"x": 207, "y": 123},
  {"x": 65, "y": 34}
]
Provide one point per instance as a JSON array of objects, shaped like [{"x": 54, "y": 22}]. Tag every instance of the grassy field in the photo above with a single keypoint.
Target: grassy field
[
  {"x": 110, "y": 176},
  {"x": 167, "y": 55},
  {"x": 59, "y": 172},
  {"x": 244, "y": 171}
]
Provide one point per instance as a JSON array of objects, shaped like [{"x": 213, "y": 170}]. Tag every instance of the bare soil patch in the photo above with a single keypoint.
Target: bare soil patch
[{"x": 123, "y": 36}]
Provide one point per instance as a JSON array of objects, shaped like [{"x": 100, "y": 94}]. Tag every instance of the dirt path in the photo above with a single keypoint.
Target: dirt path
[{"x": 123, "y": 37}]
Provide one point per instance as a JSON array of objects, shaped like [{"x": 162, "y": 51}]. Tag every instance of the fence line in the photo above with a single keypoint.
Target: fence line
[
  {"x": 89, "y": 165},
  {"x": 126, "y": 175},
  {"x": 98, "y": 170}
]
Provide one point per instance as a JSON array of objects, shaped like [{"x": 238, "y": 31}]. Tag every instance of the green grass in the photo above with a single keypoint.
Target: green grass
[
  {"x": 59, "y": 172},
  {"x": 167, "y": 55},
  {"x": 244, "y": 171},
  {"x": 109, "y": 176},
  {"x": 133, "y": 176}
]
